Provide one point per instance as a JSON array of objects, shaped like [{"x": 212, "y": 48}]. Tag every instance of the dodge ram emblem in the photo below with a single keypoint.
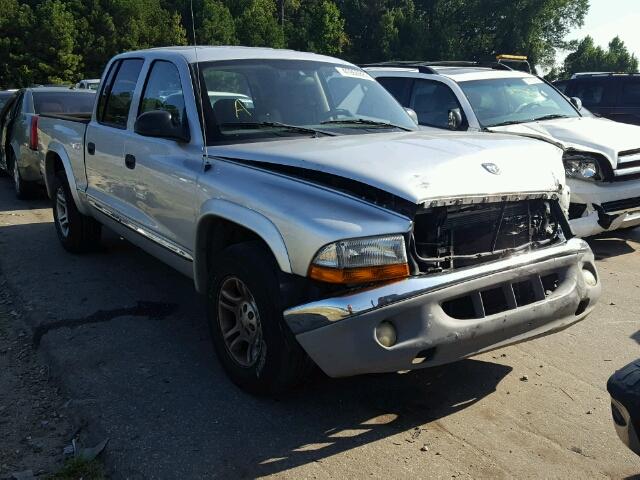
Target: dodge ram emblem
[{"x": 492, "y": 168}]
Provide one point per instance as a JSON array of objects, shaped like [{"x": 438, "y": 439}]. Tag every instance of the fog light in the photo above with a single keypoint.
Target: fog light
[
  {"x": 386, "y": 334},
  {"x": 589, "y": 278}
]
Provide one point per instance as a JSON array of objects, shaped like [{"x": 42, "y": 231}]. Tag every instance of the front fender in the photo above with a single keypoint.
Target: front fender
[{"x": 250, "y": 219}]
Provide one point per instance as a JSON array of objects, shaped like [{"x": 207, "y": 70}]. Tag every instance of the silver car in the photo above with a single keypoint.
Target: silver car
[{"x": 20, "y": 151}]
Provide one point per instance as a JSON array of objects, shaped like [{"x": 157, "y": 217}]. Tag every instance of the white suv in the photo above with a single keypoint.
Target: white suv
[{"x": 602, "y": 158}]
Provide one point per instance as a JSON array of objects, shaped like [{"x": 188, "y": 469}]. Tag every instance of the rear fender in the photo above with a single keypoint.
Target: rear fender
[{"x": 58, "y": 151}]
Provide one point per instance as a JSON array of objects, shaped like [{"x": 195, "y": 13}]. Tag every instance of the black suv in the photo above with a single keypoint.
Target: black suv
[{"x": 610, "y": 95}]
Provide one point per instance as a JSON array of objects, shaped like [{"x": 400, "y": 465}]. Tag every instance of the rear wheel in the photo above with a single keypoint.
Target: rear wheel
[
  {"x": 24, "y": 190},
  {"x": 77, "y": 232},
  {"x": 255, "y": 347}
]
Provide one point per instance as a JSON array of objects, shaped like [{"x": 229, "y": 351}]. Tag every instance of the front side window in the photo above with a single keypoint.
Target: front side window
[
  {"x": 258, "y": 99},
  {"x": 592, "y": 93},
  {"x": 164, "y": 92},
  {"x": 432, "y": 101},
  {"x": 399, "y": 87},
  {"x": 119, "y": 94},
  {"x": 504, "y": 101}
]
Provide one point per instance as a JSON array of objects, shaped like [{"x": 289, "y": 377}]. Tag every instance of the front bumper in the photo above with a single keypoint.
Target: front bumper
[
  {"x": 606, "y": 206},
  {"x": 339, "y": 333}
]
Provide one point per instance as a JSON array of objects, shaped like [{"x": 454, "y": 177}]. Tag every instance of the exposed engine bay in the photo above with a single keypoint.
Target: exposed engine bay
[{"x": 459, "y": 236}]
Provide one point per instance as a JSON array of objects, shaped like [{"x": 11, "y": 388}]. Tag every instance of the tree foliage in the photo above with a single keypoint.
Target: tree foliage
[
  {"x": 589, "y": 57},
  {"x": 64, "y": 40}
]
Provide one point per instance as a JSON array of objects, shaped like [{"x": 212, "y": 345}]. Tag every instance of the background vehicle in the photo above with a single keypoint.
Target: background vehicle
[
  {"x": 610, "y": 95},
  {"x": 20, "y": 146},
  {"x": 624, "y": 388},
  {"x": 602, "y": 158},
  {"x": 312, "y": 223},
  {"x": 92, "y": 84},
  {"x": 5, "y": 96}
]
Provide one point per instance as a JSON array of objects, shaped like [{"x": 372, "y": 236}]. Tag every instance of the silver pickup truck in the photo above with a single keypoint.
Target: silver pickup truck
[{"x": 321, "y": 225}]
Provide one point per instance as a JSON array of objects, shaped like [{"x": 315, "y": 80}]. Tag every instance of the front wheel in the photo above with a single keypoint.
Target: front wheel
[
  {"x": 24, "y": 190},
  {"x": 254, "y": 345},
  {"x": 77, "y": 233}
]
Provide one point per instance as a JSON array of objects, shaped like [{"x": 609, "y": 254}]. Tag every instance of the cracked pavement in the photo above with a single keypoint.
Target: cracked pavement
[{"x": 126, "y": 338}]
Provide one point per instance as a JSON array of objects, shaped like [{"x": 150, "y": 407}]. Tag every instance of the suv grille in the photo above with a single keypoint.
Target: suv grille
[
  {"x": 628, "y": 164},
  {"x": 459, "y": 236}
]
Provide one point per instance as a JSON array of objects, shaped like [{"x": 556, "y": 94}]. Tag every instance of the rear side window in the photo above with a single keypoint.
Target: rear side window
[
  {"x": 432, "y": 102},
  {"x": 399, "y": 87},
  {"x": 117, "y": 95},
  {"x": 64, "y": 102},
  {"x": 164, "y": 91},
  {"x": 631, "y": 93}
]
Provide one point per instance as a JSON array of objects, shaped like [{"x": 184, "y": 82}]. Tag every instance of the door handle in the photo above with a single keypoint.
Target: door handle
[
  {"x": 130, "y": 161},
  {"x": 91, "y": 148}
]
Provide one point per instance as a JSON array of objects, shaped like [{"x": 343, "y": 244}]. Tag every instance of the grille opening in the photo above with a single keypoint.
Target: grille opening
[
  {"x": 461, "y": 308},
  {"x": 582, "y": 307},
  {"x": 458, "y": 236},
  {"x": 550, "y": 283},
  {"x": 524, "y": 293},
  {"x": 494, "y": 301}
]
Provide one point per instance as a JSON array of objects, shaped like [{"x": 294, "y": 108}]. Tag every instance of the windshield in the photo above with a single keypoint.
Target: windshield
[
  {"x": 262, "y": 99},
  {"x": 504, "y": 101}
]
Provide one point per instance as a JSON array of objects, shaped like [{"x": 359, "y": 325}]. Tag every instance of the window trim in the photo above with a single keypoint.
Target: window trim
[{"x": 109, "y": 85}]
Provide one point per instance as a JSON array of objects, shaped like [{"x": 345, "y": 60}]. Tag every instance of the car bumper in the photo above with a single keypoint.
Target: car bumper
[
  {"x": 605, "y": 207},
  {"x": 339, "y": 334}
]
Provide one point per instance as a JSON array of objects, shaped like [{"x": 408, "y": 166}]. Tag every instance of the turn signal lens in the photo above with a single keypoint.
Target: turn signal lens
[
  {"x": 361, "y": 260},
  {"x": 359, "y": 275}
]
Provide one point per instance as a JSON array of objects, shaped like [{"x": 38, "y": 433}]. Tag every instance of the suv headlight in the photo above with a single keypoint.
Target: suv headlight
[
  {"x": 361, "y": 260},
  {"x": 582, "y": 166}
]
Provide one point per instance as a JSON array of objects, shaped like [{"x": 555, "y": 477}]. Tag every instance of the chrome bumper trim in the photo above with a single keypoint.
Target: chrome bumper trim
[{"x": 324, "y": 312}]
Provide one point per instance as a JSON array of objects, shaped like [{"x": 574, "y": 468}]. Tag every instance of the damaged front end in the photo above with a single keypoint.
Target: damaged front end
[{"x": 485, "y": 273}]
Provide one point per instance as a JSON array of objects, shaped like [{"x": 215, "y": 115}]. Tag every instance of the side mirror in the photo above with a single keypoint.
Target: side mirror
[
  {"x": 455, "y": 119},
  {"x": 412, "y": 113},
  {"x": 160, "y": 124},
  {"x": 576, "y": 103}
]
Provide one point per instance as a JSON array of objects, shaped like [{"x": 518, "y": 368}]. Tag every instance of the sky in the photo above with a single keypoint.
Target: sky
[{"x": 608, "y": 18}]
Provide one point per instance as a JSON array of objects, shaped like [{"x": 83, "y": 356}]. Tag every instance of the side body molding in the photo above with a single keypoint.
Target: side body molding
[
  {"x": 223, "y": 209},
  {"x": 58, "y": 149}
]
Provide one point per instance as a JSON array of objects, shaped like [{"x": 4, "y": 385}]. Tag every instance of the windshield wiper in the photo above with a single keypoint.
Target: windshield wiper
[
  {"x": 552, "y": 116},
  {"x": 504, "y": 124},
  {"x": 364, "y": 121},
  {"x": 291, "y": 128}
]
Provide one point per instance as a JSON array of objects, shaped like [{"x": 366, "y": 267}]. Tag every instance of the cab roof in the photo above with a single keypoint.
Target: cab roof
[{"x": 220, "y": 53}]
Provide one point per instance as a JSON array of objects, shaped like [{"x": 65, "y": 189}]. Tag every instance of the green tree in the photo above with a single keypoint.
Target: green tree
[
  {"x": 54, "y": 57},
  {"x": 589, "y": 57},
  {"x": 217, "y": 27},
  {"x": 257, "y": 25},
  {"x": 316, "y": 26},
  {"x": 16, "y": 67}
]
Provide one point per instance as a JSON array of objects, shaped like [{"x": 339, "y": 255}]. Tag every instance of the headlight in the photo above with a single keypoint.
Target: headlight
[
  {"x": 582, "y": 166},
  {"x": 361, "y": 260}
]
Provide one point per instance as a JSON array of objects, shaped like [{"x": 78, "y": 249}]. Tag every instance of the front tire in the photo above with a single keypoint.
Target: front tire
[
  {"x": 254, "y": 345},
  {"x": 77, "y": 233}
]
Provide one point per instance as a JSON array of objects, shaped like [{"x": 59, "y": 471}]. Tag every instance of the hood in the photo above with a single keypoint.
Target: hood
[
  {"x": 585, "y": 133},
  {"x": 419, "y": 166}
]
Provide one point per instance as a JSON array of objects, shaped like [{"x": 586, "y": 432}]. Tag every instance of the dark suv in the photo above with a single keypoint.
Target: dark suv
[{"x": 614, "y": 96}]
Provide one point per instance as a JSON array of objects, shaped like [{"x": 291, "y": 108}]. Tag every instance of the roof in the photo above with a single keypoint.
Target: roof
[
  {"x": 460, "y": 73},
  {"x": 220, "y": 53}
]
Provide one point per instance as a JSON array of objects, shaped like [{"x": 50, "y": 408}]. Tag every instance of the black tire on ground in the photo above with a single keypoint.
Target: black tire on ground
[
  {"x": 77, "y": 233},
  {"x": 24, "y": 190},
  {"x": 280, "y": 363}
]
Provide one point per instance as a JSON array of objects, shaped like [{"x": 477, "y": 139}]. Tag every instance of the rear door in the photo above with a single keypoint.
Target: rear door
[
  {"x": 109, "y": 183},
  {"x": 628, "y": 109},
  {"x": 164, "y": 171}
]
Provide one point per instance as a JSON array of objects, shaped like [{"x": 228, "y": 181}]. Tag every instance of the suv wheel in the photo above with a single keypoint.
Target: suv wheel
[
  {"x": 254, "y": 345},
  {"x": 23, "y": 189},
  {"x": 77, "y": 233}
]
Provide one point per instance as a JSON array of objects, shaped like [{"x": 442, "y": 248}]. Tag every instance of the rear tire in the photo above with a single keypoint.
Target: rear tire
[
  {"x": 77, "y": 233},
  {"x": 244, "y": 308},
  {"x": 24, "y": 190}
]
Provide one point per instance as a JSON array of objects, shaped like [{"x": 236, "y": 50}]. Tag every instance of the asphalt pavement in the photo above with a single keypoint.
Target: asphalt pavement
[{"x": 128, "y": 342}]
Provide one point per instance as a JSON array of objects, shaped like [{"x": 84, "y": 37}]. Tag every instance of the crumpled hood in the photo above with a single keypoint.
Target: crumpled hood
[
  {"x": 591, "y": 134},
  {"x": 419, "y": 166}
]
